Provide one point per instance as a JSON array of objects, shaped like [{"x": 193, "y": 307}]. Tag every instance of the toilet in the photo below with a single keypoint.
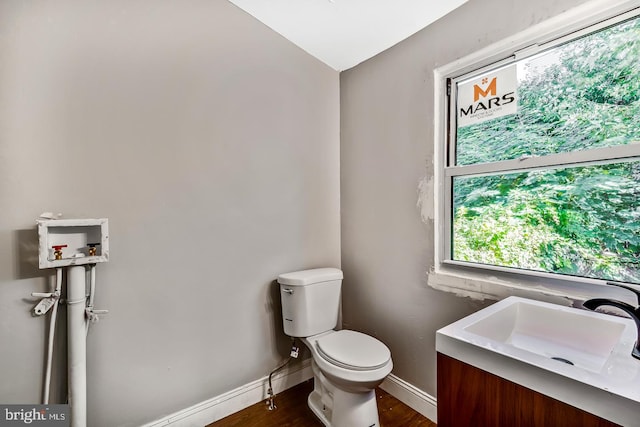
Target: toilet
[{"x": 347, "y": 365}]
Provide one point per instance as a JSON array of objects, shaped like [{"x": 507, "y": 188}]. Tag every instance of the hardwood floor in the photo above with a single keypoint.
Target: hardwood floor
[{"x": 292, "y": 411}]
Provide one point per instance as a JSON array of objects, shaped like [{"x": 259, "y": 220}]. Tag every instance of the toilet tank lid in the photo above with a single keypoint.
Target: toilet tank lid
[{"x": 307, "y": 277}]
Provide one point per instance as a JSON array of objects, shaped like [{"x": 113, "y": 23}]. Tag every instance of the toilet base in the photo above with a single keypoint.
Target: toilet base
[{"x": 338, "y": 408}]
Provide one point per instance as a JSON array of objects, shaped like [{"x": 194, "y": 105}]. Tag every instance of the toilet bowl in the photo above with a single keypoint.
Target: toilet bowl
[
  {"x": 347, "y": 365},
  {"x": 352, "y": 361}
]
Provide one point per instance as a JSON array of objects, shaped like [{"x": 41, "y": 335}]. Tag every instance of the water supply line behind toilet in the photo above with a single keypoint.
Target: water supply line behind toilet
[
  {"x": 295, "y": 352},
  {"x": 64, "y": 245}
]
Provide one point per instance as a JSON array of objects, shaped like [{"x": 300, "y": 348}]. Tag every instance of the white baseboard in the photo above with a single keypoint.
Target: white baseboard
[
  {"x": 233, "y": 401},
  {"x": 218, "y": 407},
  {"x": 411, "y": 396}
]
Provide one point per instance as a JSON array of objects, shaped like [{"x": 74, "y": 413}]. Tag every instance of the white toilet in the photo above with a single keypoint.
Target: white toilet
[{"x": 347, "y": 365}]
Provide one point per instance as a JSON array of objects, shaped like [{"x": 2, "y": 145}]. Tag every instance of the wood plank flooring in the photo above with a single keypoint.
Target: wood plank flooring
[{"x": 292, "y": 411}]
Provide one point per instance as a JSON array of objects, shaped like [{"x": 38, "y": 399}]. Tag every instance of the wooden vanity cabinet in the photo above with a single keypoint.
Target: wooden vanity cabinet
[{"x": 471, "y": 397}]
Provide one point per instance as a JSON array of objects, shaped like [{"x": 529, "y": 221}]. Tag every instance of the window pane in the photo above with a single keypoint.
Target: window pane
[
  {"x": 580, "y": 95},
  {"x": 582, "y": 221}
]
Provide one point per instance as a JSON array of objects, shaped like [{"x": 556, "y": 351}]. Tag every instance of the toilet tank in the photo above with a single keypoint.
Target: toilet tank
[{"x": 310, "y": 301}]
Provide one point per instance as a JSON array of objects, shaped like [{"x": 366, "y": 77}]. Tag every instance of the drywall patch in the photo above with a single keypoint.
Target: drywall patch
[{"x": 426, "y": 201}]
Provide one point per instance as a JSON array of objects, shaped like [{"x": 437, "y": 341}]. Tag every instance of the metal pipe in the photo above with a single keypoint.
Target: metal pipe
[{"x": 77, "y": 344}]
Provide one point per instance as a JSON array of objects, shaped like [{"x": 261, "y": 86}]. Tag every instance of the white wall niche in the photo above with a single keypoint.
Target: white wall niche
[{"x": 77, "y": 235}]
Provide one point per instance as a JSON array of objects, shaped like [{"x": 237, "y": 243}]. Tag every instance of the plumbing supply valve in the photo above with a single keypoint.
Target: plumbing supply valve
[
  {"x": 57, "y": 251},
  {"x": 271, "y": 404},
  {"x": 92, "y": 248},
  {"x": 94, "y": 315},
  {"x": 49, "y": 299},
  {"x": 295, "y": 351}
]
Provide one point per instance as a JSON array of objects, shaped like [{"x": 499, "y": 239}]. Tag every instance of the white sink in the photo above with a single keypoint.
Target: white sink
[
  {"x": 577, "y": 356},
  {"x": 571, "y": 336}
]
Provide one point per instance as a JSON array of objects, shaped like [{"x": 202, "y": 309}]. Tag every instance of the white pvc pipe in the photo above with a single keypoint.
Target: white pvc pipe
[
  {"x": 52, "y": 331},
  {"x": 77, "y": 344}
]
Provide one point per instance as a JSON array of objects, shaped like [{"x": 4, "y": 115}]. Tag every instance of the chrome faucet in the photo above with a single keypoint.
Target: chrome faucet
[{"x": 634, "y": 312}]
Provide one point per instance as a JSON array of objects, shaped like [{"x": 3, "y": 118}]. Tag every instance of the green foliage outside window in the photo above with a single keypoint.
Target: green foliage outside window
[{"x": 583, "y": 220}]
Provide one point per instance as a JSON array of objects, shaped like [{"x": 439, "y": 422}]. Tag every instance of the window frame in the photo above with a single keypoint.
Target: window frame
[{"x": 480, "y": 280}]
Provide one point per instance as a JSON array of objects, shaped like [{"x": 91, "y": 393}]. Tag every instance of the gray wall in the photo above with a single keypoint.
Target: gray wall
[
  {"x": 211, "y": 144},
  {"x": 386, "y": 151}
]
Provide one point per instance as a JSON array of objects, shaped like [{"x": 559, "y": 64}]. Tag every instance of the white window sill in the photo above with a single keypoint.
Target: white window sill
[{"x": 487, "y": 286}]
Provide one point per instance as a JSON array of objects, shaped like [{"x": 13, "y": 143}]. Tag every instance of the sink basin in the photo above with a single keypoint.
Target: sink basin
[
  {"x": 575, "y": 337},
  {"x": 579, "y": 357}
]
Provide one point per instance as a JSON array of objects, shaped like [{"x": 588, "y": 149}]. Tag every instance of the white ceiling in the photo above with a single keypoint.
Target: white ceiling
[{"x": 343, "y": 33}]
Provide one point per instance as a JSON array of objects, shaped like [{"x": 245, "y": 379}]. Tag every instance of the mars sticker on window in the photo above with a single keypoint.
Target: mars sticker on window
[{"x": 488, "y": 97}]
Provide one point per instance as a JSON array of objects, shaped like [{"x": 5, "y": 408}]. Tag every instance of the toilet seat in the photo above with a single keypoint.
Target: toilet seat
[{"x": 353, "y": 350}]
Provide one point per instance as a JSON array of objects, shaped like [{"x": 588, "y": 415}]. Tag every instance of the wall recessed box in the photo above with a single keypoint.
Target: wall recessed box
[{"x": 64, "y": 242}]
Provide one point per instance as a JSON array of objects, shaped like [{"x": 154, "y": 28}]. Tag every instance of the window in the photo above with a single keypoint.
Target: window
[{"x": 542, "y": 167}]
